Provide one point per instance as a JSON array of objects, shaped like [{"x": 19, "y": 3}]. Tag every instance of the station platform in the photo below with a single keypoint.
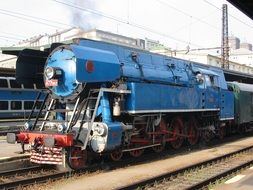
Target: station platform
[
  {"x": 242, "y": 181},
  {"x": 10, "y": 151}
]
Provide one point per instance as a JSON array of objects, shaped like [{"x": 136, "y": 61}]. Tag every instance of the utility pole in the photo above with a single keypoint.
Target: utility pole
[{"x": 224, "y": 40}]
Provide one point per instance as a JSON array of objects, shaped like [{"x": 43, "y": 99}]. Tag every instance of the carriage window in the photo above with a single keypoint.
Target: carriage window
[
  {"x": 16, "y": 105},
  {"x": 14, "y": 84},
  {"x": 40, "y": 86},
  {"x": 3, "y": 83},
  {"x": 38, "y": 105},
  {"x": 3, "y": 105},
  {"x": 28, "y": 105},
  {"x": 29, "y": 86}
]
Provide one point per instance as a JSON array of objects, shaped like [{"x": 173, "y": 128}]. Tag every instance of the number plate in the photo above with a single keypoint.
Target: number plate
[{"x": 53, "y": 82}]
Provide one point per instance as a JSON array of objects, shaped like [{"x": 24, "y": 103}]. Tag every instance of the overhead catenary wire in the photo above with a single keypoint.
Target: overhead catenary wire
[
  {"x": 127, "y": 22},
  {"x": 12, "y": 34},
  {"x": 9, "y": 37},
  {"x": 187, "y": 14},
  {"x": 37, "y": 18},
  {"x": 29, "y": 19},
  {"x": 3, "y": 35},
  {"x": 47, "y": 21}
]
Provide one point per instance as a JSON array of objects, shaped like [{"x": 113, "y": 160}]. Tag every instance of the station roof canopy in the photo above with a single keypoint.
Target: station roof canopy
[
  {"x": 246, "y": 6},
  {"x": 16, "y": 50}
]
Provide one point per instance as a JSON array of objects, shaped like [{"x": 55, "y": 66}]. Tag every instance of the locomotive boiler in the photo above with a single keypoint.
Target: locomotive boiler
[{"x": 108, "y": 99}]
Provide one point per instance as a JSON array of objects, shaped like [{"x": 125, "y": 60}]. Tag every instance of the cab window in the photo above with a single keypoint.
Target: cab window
[
  {"x": 214, "y": 81},
  {"x": 207, "y": 80},
  {"x": 211, "y": 81}
]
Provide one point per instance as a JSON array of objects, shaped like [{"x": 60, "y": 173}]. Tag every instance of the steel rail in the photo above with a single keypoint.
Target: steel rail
[
  {"x": 151, "y": 181},
  {"x": 20, "y": 171},
  {"x": 219, "y": 176},
  {"x": 98, "y": 166},
  {"x": 33, "y": 180}
]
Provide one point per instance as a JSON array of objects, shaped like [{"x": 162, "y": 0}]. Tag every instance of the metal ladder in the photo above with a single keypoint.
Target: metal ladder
[
  {"x": 76, "y": 111},
  {"x": 94, "y": 95},
  {"x": 99, "y": 93},
  {"x": 49, "y": 109}
]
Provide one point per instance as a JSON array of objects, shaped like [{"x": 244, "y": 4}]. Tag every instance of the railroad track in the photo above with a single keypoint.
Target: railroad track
[
  {"x": 198, "y": 176},
  {"x": 41, "y": 175},
  {"x": 8, "y": 179},
  {"x": 24, "y": 176},
  {"x": 27, "y": 180}
]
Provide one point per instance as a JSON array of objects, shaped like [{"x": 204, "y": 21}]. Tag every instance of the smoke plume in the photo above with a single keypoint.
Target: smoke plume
[{"x": 81, "y": 18}]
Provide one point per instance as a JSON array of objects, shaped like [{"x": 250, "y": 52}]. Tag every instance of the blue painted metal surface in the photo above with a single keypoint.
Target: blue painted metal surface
[
  {"x": 162, "y": 97},
  {"x": 106, "y": 64},
  {"x": 10, "y": 98},
  {"x": 157, "y": 82},
  {"x": 112, "y": 62},
  {"x": 10, "y": 94},
  {"x": 105, "y": 108},
  {"x": 227, "y": 104},
  {"x": 153, "y": 67},
  {"x": 157, "y": 98},
  {"x": 114, "y": 137},
  {"x": 65, "y": 60}
]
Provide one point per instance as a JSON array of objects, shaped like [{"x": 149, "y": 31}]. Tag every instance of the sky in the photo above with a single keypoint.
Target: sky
[{"x": 174, "y": 23}]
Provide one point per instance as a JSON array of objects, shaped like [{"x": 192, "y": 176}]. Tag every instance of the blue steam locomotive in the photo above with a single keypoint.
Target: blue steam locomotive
[{"x": 110, "y": 99}]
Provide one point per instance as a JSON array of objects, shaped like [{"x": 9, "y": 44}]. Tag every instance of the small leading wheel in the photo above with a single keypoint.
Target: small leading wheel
[
  {"x": 193, "y": 133},
  {"x": 76, "y": 158},
  {"x": 176, "y": 130},
  {"x": 116, "y": 155},
  {"x": 136, "y": 153}
]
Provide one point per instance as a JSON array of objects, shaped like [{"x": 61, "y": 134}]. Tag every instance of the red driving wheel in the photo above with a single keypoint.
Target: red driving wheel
[
  {"x": 77, "y": 158},
  {"x": 192, "y": 132},
  {"x": 136, "y": 153},
  {"x": 116, "y": 155},
  {"x": 176, "y": 129}
]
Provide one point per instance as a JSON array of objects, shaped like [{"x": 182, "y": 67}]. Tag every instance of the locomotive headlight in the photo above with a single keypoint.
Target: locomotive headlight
[
  {"x": 99, "y": 129},
  {"x": 49, "y": 73},
  {"x": 61, "y": 128}
]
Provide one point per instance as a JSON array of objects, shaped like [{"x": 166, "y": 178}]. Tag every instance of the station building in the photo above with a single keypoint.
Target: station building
[
  {"x": 214, "y": 60},
  {"x": 69, "y": 34},
  {"x": 241, "y": 55}
]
